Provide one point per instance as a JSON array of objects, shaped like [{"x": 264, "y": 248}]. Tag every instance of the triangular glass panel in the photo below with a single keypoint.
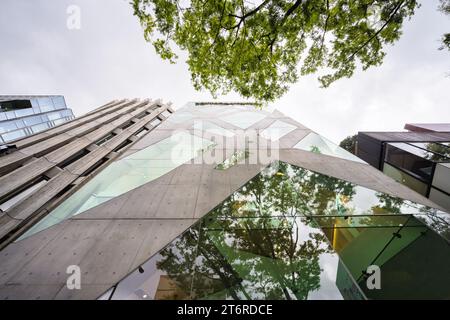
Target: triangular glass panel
[
  {"x": 318, "y": 144},
  {"x": 126, "y": 174}
]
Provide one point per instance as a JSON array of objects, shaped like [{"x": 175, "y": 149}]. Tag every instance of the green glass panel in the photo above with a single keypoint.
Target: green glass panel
[
  {"x": 318, "y": 144},
  {"x": 126, "y": 174}
]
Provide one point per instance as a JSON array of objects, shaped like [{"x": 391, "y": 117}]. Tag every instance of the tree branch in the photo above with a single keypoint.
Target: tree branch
[{"x": 375, "y": 35}]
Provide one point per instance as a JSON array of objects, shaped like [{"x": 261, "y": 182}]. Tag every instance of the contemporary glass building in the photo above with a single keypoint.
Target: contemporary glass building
[
  {"x": 21, "y": 116},
  {"x": 419, "y": 159},
  {"x": 213, "y": 201}
]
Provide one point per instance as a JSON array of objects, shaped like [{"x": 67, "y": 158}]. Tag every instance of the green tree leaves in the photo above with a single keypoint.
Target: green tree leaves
[{"x": 259, "y": 50}]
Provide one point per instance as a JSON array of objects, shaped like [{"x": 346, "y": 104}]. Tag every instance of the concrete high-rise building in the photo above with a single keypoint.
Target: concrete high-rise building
[
  {"x": 21, "y": 116},
  {"x": 213, "y": 201}
]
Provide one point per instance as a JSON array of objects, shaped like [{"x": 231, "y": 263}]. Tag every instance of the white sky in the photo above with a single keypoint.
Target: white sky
[{"x": 108, "y": 59}]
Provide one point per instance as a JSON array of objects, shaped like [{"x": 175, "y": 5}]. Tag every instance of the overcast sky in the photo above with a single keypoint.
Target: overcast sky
[{"x": 108, "y": 59}]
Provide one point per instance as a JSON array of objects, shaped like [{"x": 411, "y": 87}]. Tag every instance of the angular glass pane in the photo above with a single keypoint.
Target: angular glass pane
[
  {"x": 316, "y": 143},
  {"x": 126, "y": 174},
  {"x": 277, "y": 130},
  {"x": 212, "y": 128},
  {"x": 243, "y": 119}
]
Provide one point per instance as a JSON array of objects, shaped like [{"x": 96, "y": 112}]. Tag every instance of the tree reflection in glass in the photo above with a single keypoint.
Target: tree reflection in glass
[{"x": 277, "y": 237}]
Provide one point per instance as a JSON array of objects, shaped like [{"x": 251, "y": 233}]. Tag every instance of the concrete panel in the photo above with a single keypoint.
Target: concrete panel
[
  {"x": 111, "y": 256},
  {"x": 293, "y": 137},
  {"x": 178, "y": 202},
  {"x": 49, "y": 265},
  {"x": 28, "y": 292},
  {"x": 187, "y": 174},
  {"x": 16, "y": 255},
  {"x": 12, "y": 161},
  {"x": 87, "y": 292}
]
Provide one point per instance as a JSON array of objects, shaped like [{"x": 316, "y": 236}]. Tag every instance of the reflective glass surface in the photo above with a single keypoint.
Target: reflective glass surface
[
  {"x": 436, "y": 151},
  {"x": 411, "y": 159},
  {"x": 40, "y": 127},
  {"x": 24, "y": 112},
  {"x": 243, "y": 119},
  {"x": 291, "y": 233},
  {"x": 14, "y": 135},
  {"x": 45, "y": 104},
  {"x": 277, "y": 130},
  {"x": 54, "y": 115},
  {"x": 316, "y": 143},
  {"x": 58, "y": 102},
  {"x": 406, "y": 179},
  {"x": 126, "y": 174}
]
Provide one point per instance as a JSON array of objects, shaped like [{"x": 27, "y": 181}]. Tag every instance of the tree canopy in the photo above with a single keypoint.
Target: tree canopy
[
  {"x": 445, "y": 8},
  {"x": 258, "y": 48}
]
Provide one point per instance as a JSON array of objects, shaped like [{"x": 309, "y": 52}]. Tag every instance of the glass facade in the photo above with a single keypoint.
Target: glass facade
[
  {"x": 126, "y": 174},
  {"x": 316, "y": 143},
  {"x": 422, "y": 166},
  {"x": 277, "y": 130},
  {"x": 23, "y": 116},
  {"x": 291, "y": 233},
  {"x": 212, "y": 128},
  {"x": 243, "y": 119}
]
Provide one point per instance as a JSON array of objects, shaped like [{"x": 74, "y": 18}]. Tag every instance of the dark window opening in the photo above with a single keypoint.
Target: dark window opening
[
  {"x": 73, "y": 158},
  {"x": 141, "y": 132},
  {"x": 22, "y": 193},
  {"x": 15, "y": 105},
  {"x": 105, "y": 139},
  {"x": 123, "y": 145},
  {"x": 129, "y": 124},
  {"x": 142, "y": 115},
  {"x": 95, "y": 167},
  {"x": 63, "y": 191}
]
